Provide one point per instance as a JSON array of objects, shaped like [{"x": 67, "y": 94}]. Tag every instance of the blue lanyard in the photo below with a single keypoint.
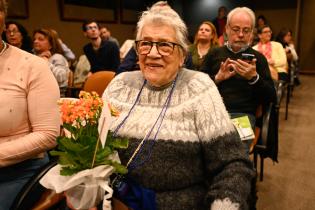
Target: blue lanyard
[{"x": 136, "y": 162}]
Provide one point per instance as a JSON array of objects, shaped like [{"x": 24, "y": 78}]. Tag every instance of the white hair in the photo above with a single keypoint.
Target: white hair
[
  {"x": 164, "y": 16},
  {"x": 246, "y": 10}
]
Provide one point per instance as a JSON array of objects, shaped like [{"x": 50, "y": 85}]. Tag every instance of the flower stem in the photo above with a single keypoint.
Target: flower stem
[{"x": 94, "y": 156}]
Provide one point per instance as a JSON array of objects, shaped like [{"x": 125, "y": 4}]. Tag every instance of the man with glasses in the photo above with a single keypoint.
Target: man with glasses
[
  {"x": 102, "y": 55},
  {"x": 242, "y": 74}
]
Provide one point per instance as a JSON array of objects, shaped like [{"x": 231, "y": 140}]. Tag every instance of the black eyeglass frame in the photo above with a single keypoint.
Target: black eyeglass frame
[{"x": 157, "y": 46}]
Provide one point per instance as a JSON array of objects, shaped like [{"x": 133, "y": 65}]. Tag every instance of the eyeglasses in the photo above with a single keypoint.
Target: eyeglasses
[
  {"x": 265, "y": 32},
  {"x": 12, "y": 32},
  {"x": 245, "y": 31},
  {"x": 91, "y": 27},
  {"x": 164, "y": 48}
]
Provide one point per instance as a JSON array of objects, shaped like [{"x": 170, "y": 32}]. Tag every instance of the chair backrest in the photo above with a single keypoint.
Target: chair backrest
[
  {"x": 70, "y": 79},
  {"x": 98, "y": 81},
  {"x": 267, "y": 142},
  {"x": 32, "y": 192}
]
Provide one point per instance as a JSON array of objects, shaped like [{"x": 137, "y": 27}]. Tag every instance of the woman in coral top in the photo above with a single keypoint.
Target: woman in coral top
[{"x": 29, "y": 116}]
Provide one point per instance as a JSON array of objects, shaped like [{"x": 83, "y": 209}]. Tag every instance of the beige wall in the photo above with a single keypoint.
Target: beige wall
[{"x": 46, "y": 14}]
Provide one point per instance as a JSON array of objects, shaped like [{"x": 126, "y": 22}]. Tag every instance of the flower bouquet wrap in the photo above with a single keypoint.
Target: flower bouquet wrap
[{"x": 87, "y": 152}]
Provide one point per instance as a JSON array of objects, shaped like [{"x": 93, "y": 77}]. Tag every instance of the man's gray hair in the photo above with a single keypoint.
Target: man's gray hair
[
  {"x": 164, "y": 16},
  {"x": 237, "y": 10}
]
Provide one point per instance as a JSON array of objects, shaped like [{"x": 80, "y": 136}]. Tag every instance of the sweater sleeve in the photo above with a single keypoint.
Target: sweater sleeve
[
  {"x": 43, "y": 116},
  {"x": 227, "y": 166},
  {"x": 60, "y": 69}
]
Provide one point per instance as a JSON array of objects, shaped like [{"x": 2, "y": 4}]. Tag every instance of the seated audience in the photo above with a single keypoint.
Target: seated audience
[
  {"x": 205, "y": 39},
  {"x": 243, "y": 84},
  {"x": 47, "y": 46},
  {"x": 203, "y": 165},
  {"x": 102, "y": 55},
  {"x": 285, "y": 38},
  {"x": 16, "y": 35},
  {"x": 106, "y": 35},
  {"x": 274, "y": 53},
  {"x": 29, "y": 116}
]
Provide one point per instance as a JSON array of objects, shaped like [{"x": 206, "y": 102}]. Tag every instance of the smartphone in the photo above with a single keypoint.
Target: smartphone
[{"x": 248, "y": 57}]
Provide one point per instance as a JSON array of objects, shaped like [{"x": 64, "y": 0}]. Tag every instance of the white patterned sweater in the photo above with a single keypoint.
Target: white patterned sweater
[{"x": 197, "y": 157}]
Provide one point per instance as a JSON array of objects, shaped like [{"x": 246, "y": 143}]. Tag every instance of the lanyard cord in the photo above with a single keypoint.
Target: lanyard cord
[
  {"x": 162, "y": 114},
  {"x": 133, "y": 106}
]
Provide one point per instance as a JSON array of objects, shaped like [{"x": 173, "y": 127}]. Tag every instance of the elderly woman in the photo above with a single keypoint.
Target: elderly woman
[
  {"x": 47, "y": 46},
  {"x": 29, "y": 116},
  {"x": 205, "y": 39},
  {"x": 184, "y": 152}
]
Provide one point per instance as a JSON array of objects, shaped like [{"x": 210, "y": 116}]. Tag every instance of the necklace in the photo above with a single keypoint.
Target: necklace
[{"x": 4, "y": 47}]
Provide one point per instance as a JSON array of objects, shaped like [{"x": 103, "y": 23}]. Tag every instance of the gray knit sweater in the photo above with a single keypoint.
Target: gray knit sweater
[{"x": 197, "y": 161}]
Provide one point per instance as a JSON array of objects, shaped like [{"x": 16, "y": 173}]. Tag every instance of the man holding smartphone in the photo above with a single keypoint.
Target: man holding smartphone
[{"x": 242, "y": 74}]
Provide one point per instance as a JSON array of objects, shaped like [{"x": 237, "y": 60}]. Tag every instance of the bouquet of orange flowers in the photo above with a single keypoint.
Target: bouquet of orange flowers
[{"x": 87, "y": 152}]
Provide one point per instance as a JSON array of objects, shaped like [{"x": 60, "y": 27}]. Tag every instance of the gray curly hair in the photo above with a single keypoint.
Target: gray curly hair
[{"x": 164, "y": 16}]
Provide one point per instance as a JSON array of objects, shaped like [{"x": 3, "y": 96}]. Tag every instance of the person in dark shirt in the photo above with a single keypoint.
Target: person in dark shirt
[
  {"x": 243, "y": 84},
  {"x": 102, "y": 55}
]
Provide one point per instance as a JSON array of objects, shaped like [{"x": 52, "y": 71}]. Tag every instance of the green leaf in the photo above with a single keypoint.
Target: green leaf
[
  {"x": 66, "y": 171},
  {"x": 72, "y": 129},
  {"x": 117, "y": 143},
  {"x": 121, "y": 169},
  {"x": 71, "y": 146}
]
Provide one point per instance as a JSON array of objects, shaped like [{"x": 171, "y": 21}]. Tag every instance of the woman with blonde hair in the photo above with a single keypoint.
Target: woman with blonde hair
[{"x": 205, "y": 39}]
